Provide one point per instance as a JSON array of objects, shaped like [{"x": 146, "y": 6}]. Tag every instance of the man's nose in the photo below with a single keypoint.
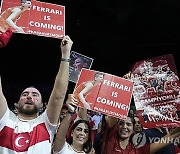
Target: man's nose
[{"x": 29, "y": 97}]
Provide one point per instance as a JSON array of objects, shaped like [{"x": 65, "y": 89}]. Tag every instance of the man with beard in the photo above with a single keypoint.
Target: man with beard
[{"x": 28, "y": 132}]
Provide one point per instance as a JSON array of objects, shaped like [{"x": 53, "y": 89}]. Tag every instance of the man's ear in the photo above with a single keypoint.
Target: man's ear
[{"x": 42, "y": 104}]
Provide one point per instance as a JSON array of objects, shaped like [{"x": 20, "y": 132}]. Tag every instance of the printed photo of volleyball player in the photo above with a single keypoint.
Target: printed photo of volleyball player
[{"x": 78, "y": 61}]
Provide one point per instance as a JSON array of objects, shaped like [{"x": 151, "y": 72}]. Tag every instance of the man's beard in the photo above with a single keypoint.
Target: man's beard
[{"x": 26, "y": 111}]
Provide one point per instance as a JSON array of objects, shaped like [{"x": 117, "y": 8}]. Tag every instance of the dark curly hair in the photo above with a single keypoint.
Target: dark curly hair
[{"x": 88, "y": 145}]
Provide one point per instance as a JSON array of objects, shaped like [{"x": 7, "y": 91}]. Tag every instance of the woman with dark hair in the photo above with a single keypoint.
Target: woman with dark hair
[
  {"x": 86, "y": 147},
  {"x": 80, "y": 134}
]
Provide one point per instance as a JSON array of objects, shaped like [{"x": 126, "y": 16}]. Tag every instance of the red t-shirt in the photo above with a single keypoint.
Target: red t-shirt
[
  {"x": 111, "y": 144},
  {"x": 176, "y": 149},
  {"x": 5, "y": 37}
]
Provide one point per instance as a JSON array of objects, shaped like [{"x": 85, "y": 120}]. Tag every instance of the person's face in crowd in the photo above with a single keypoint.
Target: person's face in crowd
[
  {"x": 131, "y": 112},
  {"x": 137, "y": 125},
  {"x": 80, "y": 134},
  {"x": 89, "y": 118},
  {"x": 125, "y": 128},
  {"x": 30, "y": 101},
  {"x": 27, "y": 5},
  {"x": 63, "y": 114},
  {"x": 107, "y": 118},
  {"x": 79, "y": 64}
]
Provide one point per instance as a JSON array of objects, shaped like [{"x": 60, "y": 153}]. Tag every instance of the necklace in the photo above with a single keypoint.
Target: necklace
[
  {"x": 22, "y": 125},
  {"x": 22, "y": 120},
  {"x": 82, "y": 152}
]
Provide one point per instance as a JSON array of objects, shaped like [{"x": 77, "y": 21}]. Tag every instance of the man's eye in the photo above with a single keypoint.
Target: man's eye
[{"x": 24, "y": 94}]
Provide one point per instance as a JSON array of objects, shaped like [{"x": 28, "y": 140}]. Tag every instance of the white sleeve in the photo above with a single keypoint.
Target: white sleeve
[
  {"x": 4, "y": 119},
  {"x": 65, "y": 150},
  {"x": 51, "y": 128}
]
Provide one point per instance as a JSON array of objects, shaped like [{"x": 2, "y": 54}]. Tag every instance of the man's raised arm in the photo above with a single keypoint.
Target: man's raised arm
[
  {"x": 61, "y": 82},
  {"x": 3, "y": 102}
]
